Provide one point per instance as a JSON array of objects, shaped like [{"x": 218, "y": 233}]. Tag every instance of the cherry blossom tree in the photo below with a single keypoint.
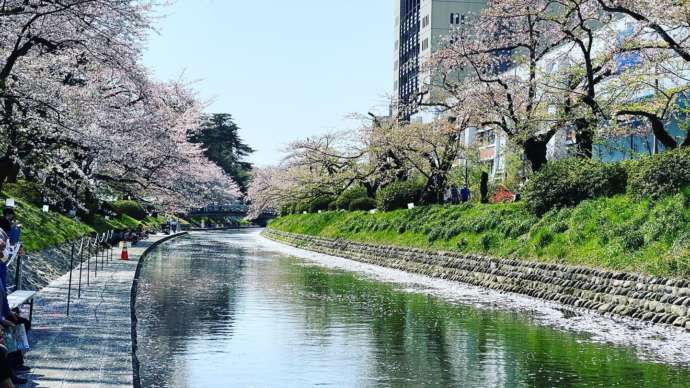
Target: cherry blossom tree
[
  {"x": 494, "y": 63},
  {"x": 668, "y": 20},
  {"x": 80, "y": 115},
  {"x": 426, "y": 150}
]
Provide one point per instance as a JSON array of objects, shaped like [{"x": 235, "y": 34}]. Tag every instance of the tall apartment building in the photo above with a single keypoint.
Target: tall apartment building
[{"x": 420, "y": 26}]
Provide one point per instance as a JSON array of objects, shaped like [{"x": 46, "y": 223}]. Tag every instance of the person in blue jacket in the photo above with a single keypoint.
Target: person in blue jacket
[{"x": 9, "y": 318}]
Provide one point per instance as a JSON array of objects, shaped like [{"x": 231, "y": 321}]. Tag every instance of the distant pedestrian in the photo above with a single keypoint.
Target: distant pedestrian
[
  {"x": 465, "y": 194},
  {"x": 454, "y": 195}
]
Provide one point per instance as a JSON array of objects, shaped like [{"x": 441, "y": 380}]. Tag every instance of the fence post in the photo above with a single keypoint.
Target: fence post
[
  {"x": 88, "y": 263},
  {"x": 95, "y": 254},
  {"x": 110, "y": 244},
  {"x": 69, "y": 287},
  {"x": 81, "y": 265}
]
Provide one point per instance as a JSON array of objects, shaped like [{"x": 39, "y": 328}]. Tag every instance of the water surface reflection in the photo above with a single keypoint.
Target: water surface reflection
[{"x": 217, "y": 310}]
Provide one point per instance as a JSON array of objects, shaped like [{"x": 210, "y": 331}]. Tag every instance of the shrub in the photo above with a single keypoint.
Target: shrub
[
  {"x": 567, "y": 182},
  {"x": 130, "y": 208},
  {"x": 287, "y": 209},
  {"x": 319, "y": 203},
  {"x": 343, "y": 201},
  {"x": 301, "y": 207},
  {"x": 333, "y": 206},
  {"x": 397, "y": 195},
  {"x": 364, "y": 203},
  {"x": 659, "y": 175}
]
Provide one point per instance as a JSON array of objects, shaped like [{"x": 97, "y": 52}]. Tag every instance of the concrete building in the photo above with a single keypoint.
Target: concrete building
[{"x": 420, "y": 26}]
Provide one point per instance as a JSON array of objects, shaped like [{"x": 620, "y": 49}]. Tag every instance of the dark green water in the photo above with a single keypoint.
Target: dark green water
[{"x": 222, "y": 310}]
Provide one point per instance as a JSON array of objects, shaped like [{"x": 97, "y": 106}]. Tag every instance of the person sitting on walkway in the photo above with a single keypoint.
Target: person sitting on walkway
[
  {"x": 9, "y": 318},
  {"x": 5, "y": 370}
]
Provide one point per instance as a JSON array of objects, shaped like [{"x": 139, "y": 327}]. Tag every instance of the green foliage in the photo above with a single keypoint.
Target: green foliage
[
  {"x": 658, "y": 175},
  {"x": 397, "y": 195},
  {"x": 27, "y": 191},
  {"x": 568, "y": 182},
  {"x": 41, "y": 230},
  {"x": 618, "y": 233},
  {"x": 320, "y": 203},
  {"x": 343, "y": 201},
  {"x": 219, "y": 136},
  {"x": 130, "y": 208},
  {"x": 364, "y": 203}
]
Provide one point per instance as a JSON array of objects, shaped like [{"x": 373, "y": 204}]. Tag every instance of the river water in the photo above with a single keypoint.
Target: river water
[{"x": 228, "y": 309}]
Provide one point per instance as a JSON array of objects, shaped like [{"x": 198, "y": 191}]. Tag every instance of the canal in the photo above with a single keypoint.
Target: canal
[{"x": 233, "y": 310}]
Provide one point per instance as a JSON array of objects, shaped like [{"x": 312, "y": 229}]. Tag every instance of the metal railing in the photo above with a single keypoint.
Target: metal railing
[{"x": 92, "y": 248}]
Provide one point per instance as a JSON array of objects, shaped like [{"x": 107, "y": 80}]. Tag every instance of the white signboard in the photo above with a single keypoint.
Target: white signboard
[
  {"x": 410, "y": 205},
  {"x": 9, "y": 202},
  {"x": 46, "y": 208}
]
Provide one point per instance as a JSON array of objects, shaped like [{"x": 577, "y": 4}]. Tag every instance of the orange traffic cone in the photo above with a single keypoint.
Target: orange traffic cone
[{"x": 124, "y": 255}]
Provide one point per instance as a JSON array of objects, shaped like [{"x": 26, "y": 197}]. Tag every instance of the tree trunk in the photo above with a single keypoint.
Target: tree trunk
[
  {"x": 535, "y": 152},
  {"x": 584, "y": 138},
  {"x": 435, "y": 187},
  {"x": 9, "y": 170}
]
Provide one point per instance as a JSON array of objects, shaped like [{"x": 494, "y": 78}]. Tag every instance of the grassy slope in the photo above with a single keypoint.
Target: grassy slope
[
  {"x": 41, "y": 230},
  {"x": 615, "y": 233}
]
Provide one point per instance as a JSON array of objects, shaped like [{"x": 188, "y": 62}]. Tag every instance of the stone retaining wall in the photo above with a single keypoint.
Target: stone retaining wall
[
  {"x": 39, "y": 268},
  {"x": 653, "y": 299}
]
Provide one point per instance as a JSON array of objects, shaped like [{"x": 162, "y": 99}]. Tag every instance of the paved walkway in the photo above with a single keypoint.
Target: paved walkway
[{"x": 93, "y": 346}]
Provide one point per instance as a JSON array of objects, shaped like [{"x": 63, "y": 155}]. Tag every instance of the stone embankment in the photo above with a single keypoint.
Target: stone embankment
[
  {"x": 39, "y": 268},
  {"x": 653, "y": 299}
]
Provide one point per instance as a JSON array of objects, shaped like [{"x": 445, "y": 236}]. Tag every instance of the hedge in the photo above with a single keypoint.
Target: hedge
[
  {"x": 659, "y": 175},
  {"x": 130, "y": 208},
  {"x": 397, "y": 195},
  {"x": 364, "y": 203},
  {"x": 567, "y": 182},
  {"x": 343, "y": 201}
]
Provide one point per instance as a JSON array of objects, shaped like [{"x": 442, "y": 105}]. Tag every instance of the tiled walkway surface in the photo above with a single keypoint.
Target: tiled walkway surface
[{"x": 93, "y": 346}]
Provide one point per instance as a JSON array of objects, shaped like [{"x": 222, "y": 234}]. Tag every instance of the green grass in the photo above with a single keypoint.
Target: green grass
[
  {"x": 616, "y": 233},
  {"x": 41, "y": 230}
]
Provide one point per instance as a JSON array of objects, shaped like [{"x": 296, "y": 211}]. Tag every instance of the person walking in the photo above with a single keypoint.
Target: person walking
[{"x": 465, "y": 194}]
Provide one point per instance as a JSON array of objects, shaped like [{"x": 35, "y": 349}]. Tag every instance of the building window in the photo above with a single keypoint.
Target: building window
[
  {"x": 425, "y": 21},
  {"x": 456, "y": 19},
  {"x": 425, "y": 44}
]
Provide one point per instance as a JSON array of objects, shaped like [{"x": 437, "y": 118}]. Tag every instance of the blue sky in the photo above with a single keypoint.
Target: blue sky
[{"x": 284, "y": 69}]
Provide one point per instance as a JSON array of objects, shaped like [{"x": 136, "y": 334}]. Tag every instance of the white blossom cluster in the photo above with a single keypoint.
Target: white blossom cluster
[{"x": 80, "y": 115}]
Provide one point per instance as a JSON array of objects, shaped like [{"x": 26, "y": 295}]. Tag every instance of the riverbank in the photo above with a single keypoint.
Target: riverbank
[
  {"x": 617, "y": 234},
  {"x": 93, "y": 346},
  {"x": 653, "y": 299}
]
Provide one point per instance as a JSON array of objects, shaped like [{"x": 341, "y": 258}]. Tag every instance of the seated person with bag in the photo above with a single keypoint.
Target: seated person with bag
[{"x": 10, "y": 319}]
